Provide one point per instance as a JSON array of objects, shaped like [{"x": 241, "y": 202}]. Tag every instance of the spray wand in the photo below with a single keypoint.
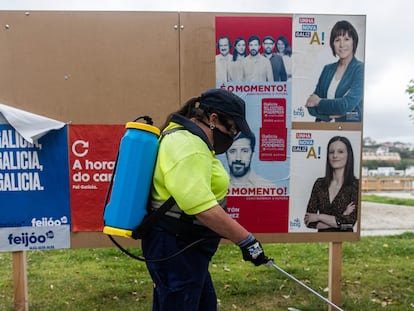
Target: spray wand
[{"x": 270, "y": 263}]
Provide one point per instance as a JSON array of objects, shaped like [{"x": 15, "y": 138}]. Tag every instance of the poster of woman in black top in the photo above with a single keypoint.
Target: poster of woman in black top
[
  {"x": 326, "y": 178},
  {"x": 333, "y": 203}
]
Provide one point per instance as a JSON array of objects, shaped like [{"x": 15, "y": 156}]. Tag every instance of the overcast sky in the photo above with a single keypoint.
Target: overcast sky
[{"x": 389, "y": 58}]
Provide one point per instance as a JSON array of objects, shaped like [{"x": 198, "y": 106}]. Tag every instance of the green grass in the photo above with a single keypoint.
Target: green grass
[
  {"x": 387, "y": 200},
  {"x": 376, "y": 275}
]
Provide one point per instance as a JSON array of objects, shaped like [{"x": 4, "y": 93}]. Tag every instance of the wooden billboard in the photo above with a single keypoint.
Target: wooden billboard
[{"x": 110, "y": 67}]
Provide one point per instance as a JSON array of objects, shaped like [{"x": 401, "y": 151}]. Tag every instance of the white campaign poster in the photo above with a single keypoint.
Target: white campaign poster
[
  {"x": 309, "y": 161},
  {"x": 312, "y": 52}
]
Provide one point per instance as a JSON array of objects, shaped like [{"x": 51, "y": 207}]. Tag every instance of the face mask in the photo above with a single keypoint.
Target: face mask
[{"x": 222, "y": 141}]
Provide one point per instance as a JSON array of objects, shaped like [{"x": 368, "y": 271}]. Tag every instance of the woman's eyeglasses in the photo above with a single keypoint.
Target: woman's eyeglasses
[{"x": 233, "y": 131}]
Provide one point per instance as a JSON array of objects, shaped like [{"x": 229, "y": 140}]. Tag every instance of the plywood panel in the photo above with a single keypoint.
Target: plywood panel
[
  {"x": 197, "y": 53},
  {"x": 90, "y": 67}
]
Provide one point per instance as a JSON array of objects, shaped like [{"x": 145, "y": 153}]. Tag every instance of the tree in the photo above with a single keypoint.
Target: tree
[{"x": 410, "y": 91}]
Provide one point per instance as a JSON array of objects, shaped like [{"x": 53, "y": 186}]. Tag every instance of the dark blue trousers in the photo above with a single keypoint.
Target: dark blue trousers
[{"x": 182, "y": 282}]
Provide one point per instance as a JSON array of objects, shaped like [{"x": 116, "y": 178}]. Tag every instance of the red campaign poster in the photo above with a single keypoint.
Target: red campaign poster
[
  {"x": 274, "y": 112},
  {"x": 260, "y": 214},
  {"x": 93, "y": 150},
  {"x": 246, "y": 26},
  {"x": 273, "y": 144}
]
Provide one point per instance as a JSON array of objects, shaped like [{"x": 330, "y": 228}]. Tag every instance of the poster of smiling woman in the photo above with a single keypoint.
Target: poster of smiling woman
[
  {"x": 328, "y": 79},
  {"x": 324, "y": 181}
]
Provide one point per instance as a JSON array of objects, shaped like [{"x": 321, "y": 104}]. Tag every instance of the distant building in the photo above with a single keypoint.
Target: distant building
[
  {"x": 381, "y": 155},
  {"x": 409, "y": 171},
  {"x": 382, "y": 150},
  {"x": 369, "y": 142},
  {"x": 386, "y": 171}
]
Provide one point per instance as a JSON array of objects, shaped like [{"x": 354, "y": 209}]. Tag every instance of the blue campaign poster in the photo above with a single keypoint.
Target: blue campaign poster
[{"x": 34, "y": 191}]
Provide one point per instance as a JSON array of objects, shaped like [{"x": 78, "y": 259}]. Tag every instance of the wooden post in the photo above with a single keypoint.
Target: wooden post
[
  {"x": 21, "y": 299},
  {"x": 335, "y": 278}
]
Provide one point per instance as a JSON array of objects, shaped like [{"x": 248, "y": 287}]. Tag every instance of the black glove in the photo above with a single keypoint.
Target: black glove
[{"x": 252, "y": 251}]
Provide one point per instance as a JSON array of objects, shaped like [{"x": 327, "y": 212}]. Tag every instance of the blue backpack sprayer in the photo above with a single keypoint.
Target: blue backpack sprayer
[
  {"x": 131, "y": 181},
  {"x": 126, "y": 213}
]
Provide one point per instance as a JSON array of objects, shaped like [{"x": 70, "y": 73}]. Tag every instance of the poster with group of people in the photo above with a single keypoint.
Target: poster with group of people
[
  {"x": 248, "y": 64},
  {"x": 301, "y": 77}
]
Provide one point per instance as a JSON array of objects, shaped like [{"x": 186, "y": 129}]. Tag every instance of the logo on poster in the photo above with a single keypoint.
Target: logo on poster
[
  {"x": 49, "y": 222},
  {"x": 26, "y": 239},
  {"x": 295, "y": 223},
  {"x": 300, "y": 112},
  {"x": 80, "y": 148}
]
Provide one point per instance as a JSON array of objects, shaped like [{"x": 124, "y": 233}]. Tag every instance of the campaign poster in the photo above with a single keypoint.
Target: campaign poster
[
  {"x": 253, "y": 60},
  {"x": 328, "y": 61},
  {"x": 93, "y": 152},
  {"x": 34, "y": 191},
  {"x": 322, "y": 162}
]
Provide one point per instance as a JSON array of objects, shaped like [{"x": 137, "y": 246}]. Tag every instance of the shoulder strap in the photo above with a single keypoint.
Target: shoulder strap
[{"x": 166, "y": 132}]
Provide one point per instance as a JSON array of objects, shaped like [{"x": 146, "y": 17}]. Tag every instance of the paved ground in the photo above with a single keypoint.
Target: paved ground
[{"x": 382, "y": 219}]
